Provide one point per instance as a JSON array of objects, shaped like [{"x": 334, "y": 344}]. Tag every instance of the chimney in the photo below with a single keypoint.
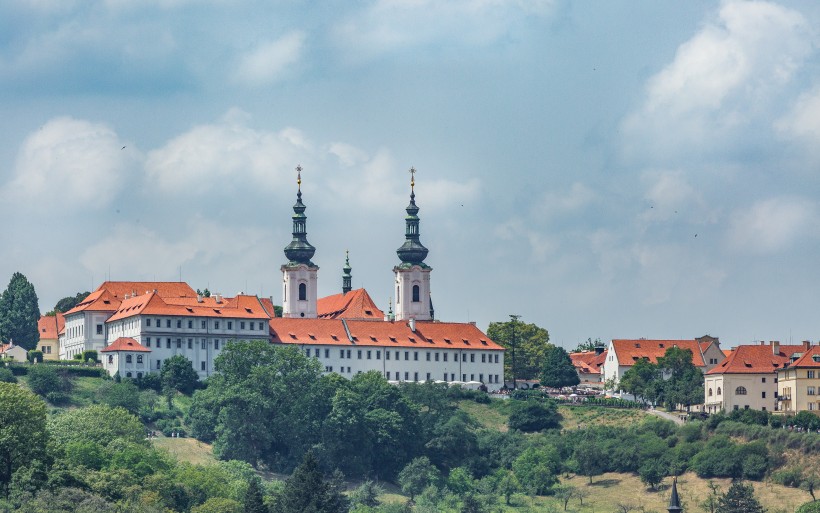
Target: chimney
[
  {"x": 199, "y": 298},
  {"x": 775, "y": 347},
  {"x": 218, "y": 298},
  {"x": 806, "y": 345},
  {"x": 762, "y": 342},
  {"x": 599, "y": 349},
  {"x": 412, "y": 324}
]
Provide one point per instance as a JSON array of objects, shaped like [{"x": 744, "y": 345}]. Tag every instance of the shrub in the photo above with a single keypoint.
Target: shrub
[
  {"x": 57, "y": 398},
  {"x": 150, "y": 381},
  {"x": 809, "y": 507},
  {"x": 7, "y": 376},
  {"x": 43, "y": 380},
  {"x": 35, "y": 355},
  {"x": 89, "y": 355},
  {"x": 533, "y": 416}
]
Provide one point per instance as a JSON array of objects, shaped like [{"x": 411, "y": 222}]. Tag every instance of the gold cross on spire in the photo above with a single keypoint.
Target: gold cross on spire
[
  {"x": 412, "y": 178},
  {"x": 299, "y": 177}
]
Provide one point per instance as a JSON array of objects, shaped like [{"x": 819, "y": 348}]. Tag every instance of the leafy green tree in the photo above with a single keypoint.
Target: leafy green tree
[
  {"x": 124, "y": 394},
  {"x": 809, "y": 507},
  {"x": 67, "y": 500},
  {"x": 531, "y": 416},
  {"x": 809, "y": 483},
  {"x": 685, "y": 381},
  {"x": 537, "y": 469},
  {"x": 178, "y": 374},
  {"x": 43, "y": 379},
  {"x": 35, "y": 356},
  {"x": 6, "y": 376},
  {"x": 23, "y": 435},
  {"x": 564, "y": 493},
  {"x": 254, "y": 501},
  {"x": 19, "y": 313},
  {"x": 306, "y": 490},
  {"x": 530, "y": 344},
  {"x": 557, "y": 370},
  {"x": 97, "y": 423},
  {"x": 712, "y": 500},
  {"x": 417, "y": 475},
  {"x": 589, "y": 345},
  {"x": 367, "y": 494},
  {"x": 652, "y": 472},
  {"x": 508, "y": 486},
  {"x": 740, "y": 498},
  {"x": 219, "y": 505},
  {"x": 67, "y": 303},
  {"x": 589, "y": 457},
  {"x": 641, "y": 380}
]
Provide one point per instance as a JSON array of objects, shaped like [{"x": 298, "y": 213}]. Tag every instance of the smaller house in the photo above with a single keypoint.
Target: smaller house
[
  {"x": 798, "y": 384},
  {"x": 588, "y": 365},
  {"x": 128, "y": 357},
  {"x": 623, "y": 353},
  {"x": 49, "y": 327},
  {"x": 13, "y": 352}
]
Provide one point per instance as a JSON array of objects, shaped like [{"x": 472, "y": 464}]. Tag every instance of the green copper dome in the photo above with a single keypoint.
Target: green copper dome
[
  {"x": 299, "y": 251},
  {"x": 412, "y": 252}
]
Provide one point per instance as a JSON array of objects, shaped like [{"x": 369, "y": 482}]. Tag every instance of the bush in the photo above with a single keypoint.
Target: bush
[
  {"x": 531, "y": 416},
  {"x": 57, "y": 398},
  {"x": 150, "y": 381},
  {"x": 90, "y": 355},
  {"x": 7, "y": 376},
  {"x": 809, "y": 507},
  {"x": 35, "y": 355},
  {"x": 43, "y": 380}
]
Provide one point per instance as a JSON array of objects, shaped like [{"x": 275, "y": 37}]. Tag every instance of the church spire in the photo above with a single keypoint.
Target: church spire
[
  {"x": 346, "y": 276},
  {"x": 412, "y": 251},
  {"x": 674, "y": 500},
  {"x": 299, "y": 251}
]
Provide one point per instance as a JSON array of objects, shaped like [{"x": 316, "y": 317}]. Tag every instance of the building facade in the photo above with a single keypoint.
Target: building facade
[
  {"x": 623, "y": 353},
  {"x": 49, "y": 327},
  {"x": 798, "y": 384}
]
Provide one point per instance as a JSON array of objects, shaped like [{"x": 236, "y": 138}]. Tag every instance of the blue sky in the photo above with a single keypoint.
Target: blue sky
[{"x": 604, "y": 169}]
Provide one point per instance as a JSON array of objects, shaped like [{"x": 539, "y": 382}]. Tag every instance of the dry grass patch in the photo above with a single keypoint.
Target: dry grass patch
[
  {"x": 490, "y": 416},
  {"x": 189, "y": 450},
  {"x": 586, "y": 416}
]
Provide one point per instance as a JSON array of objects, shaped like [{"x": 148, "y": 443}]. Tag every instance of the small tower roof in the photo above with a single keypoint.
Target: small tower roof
[
  {"x": 412, "y": 252},
  {"x": 347, "y": 278},
  {"x": 674, "y": 500}
]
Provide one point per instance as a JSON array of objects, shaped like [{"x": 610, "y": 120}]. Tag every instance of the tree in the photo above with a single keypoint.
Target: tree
[
  {"x": 564, "y": 493},
  {"x": 809, "y": 483},
  {"x": 98, "y": 423},
  {"x": 19, "y": 313},
  {"x": 740, "y": 498},
  {"x": 710, "y": 502},
  {"x": 124, "y": 394},
  {"x": 23, "y": 435},
  {"x": 589, "y": 457},
  {"x": 67, "y": 303},
  {"x": 537, "y": 469},
  {"x": 254, "y": 501},
  {"x": 417, "y": 475},
  {"x": 43, "y": 380},
  {"x": 558, "y": 370},
  {"x": 685, "y": 383},
  {"x": 652, "y": 472},
  {"x": 508, "y": 485},
  {"x": 589, "y": 345},
  {"x": 219, "y": 505},
  {"x": 306, "y": 490},
  {"x": 809, "y": 507},
  {"x": 531, "y": 343},
  {"x": 531, "y": 416},
  {"x": 178, "y": 374},
  {"x": 641, "y": 380},
  {"x": 367, "y": 494}
]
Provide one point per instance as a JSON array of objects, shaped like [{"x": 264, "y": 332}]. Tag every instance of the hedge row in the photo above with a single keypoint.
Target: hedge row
[{"x": 21, "y": 369}]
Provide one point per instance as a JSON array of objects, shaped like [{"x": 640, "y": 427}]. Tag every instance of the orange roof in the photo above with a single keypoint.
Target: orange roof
[
  {"x": 757, "y": 359},
  {"x": 97, "y": 301},
  {"x": 629, "y": 351},
  {"x": 49, "y": 326},
  {"x": 810, "y": 359},
  {"x": 126, "y": 344},
  {"x": 342, "y": 332},
  {"x": 588, "y": 362},
  {"x": 356, "y": 304},
  {"x": 240, "y": 307},
  {"x": 165, "y": 289},
  {"x": 267, "y": 303}
]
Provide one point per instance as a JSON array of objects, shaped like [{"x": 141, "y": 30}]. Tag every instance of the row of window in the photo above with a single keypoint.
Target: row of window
[
  {"x": 203, "y": 343},
  {"x": 203, "y": 324},
  {"x": 493, "y": 378},
  {"x": 368, "y": 354}
]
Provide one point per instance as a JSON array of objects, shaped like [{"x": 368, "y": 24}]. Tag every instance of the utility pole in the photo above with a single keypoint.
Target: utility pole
[{"x": 513, "y": 320}]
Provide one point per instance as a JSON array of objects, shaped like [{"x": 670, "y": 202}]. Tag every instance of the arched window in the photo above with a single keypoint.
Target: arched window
[
  {"x": 302, "y": 292},
  {"x": 139, "y": 360},
  {"x": 416, "y": 293},
  {"x": 740, "y": 391},
  {"x": 110, "y": 358},
  {"x": 710, "y": 392},
  {"x": 128, "y": 358},
  {"x": 718, "y": 391}
]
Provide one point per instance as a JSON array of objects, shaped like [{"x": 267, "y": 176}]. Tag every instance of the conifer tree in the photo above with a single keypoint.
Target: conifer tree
[
  {"x": 19, "y": 313},
  {"x": 740, "y": 498},
  {"x": 254, "y": 501},
  {"x": 306, "y": 490}
]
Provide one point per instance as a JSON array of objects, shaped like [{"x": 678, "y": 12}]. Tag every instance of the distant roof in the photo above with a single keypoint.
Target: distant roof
[
  {"x": 125, "y": 344},
  {"x": 356, "y": 304},
  {"x": 588, "y": 362},
  {"x": 629, "y": 351},
  {"x": 110, "y": 294},
  {"x": 810, "y": 358},
  {"x": 386, "y": 334},
  {"x": 757, "y": 359},
  {"x": 239, "y": 307},
  {"x": 49, "y": 326}
]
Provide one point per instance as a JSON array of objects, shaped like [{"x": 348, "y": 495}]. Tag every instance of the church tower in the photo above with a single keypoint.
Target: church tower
[
  {"x": 412, "y": 274},
  {"x": 299, "y": 286},
  {"x": 347, "y": 278}
]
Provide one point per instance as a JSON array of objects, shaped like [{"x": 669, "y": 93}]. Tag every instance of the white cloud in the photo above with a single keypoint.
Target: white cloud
[
  {"x": 772, "y": 225},
  {"x": 71, "y": 162},
  {"x": 210, "y": 157},
  {"x": 721, "y": 77},
  {"x": 554, "y": 204},
  {"x": 389, "y": 25},
  {"x": 348, "y": 155},
  {"x": 803, "y": 119},
  {"x": 270, "y": 61}
]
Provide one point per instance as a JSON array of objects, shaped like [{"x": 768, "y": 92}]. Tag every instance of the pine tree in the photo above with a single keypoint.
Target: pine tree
[
  {"x": 306, "y": 490},
  {"x": 19, "y": 313},
  {"x": 740, "y": 498},
  {"x": 254, "y": 501}
]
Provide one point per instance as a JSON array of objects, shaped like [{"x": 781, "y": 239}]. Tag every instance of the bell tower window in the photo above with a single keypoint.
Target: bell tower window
[
  {"x": 302, "y": 292},
  {"x": 416, "y": 293}
]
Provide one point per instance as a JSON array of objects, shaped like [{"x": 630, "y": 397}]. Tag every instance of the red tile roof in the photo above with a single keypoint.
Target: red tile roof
[
  {"x": 428, "y": 335},
  {"x": 629, "y": 351},
  {"x": 756, "y": 359},
  {"x": 269, "y": 307},
  {"x": 97, "y": 301},
  {"x": 810, "y": 358},
  {"x": 356, "y": 304},
  {"x": 165, "y": 289},
  {"x": 240, "y": 307},
  {"x": 126, "y": 344},
  {"x": 50, "y": 326},
  {"x": 588, "y": 362}
]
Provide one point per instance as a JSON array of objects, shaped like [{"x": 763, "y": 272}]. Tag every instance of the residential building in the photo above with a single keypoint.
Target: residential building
[
  {"x": 49, "y": 327},
  {"x": 748, "y": 377},
  {"x": 13, "y": 352},
  {"x": 623, "y": 353},
  {"x": 798, "y": 384},
  {"x": 588, "y": 364}
]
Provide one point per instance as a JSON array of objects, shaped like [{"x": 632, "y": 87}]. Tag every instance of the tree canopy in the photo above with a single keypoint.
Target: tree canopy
[
  {"x": 530, "y": 344},
  {"x": 23, "y": 433},
  {"x": 739, "y": 498},
  {"x": 178, "y": 374},
  {"x": 19, "y": 313},
  {"x": 69, "y": 302},
  {"x": 307, "y": 490},
  {"x": 558, "y": 370}
]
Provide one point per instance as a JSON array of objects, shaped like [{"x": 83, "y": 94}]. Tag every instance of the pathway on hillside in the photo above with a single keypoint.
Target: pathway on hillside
[{"x": 664, "y": 415}]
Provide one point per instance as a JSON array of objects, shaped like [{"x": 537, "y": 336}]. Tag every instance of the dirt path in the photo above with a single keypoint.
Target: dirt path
[{"x": 664, "y": 415}]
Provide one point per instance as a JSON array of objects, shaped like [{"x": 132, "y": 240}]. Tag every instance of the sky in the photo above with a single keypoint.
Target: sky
[{"x": 615, "y": 169}]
